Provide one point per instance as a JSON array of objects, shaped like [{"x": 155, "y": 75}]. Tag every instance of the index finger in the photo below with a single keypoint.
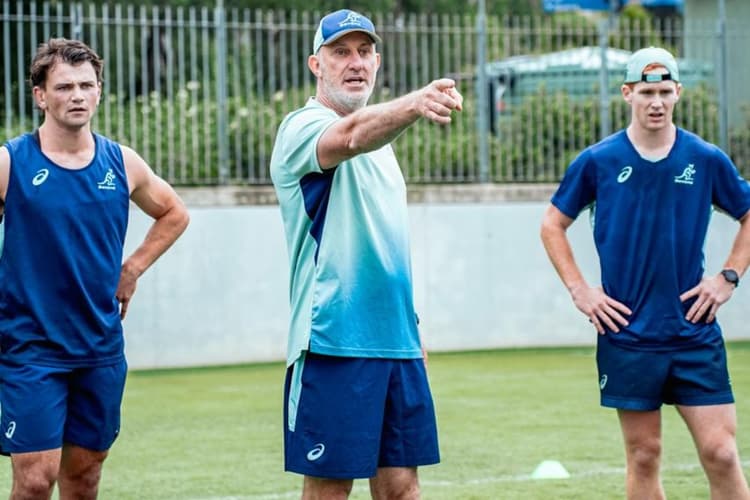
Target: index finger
[
  {"x": 690, "y": 293},
  {"x": 444, "y": 83}
]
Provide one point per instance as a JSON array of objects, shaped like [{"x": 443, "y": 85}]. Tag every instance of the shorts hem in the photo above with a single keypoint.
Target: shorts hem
[
  {"x": 331, "y": 475},
  {"x": 622, "y": 404},
  {"x": 716, "y": 399},
  {"x": 419, "y": 462},
  {"x": 29, "y": 449}
]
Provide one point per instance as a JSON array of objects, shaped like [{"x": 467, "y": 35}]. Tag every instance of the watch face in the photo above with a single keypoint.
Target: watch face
[{"x": 731, "y": 276}]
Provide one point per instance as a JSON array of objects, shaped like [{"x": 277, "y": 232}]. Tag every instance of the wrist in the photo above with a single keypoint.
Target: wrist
[{"x": 731, "y": 276}]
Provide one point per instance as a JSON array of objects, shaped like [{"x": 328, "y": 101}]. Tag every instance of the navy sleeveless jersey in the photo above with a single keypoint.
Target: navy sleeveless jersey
[
  {"x": 61, "y": 259},
  {"x": 650, "y": 225}
]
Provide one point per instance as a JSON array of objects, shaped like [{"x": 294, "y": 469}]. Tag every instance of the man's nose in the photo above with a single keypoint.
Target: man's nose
[
  {"x": 77, "y": 94},
  {"x": 357, "y": 60}
]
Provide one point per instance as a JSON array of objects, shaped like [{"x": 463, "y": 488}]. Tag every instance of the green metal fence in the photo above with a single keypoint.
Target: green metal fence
[{"x": 199, "y": 92}]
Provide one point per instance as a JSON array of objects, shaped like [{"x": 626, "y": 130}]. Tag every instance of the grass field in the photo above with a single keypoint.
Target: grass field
[{"x": 215, "y": 433}]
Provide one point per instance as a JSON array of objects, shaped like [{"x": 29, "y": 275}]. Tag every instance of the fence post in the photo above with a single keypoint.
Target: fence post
[
  {"x": 482, "y": 94},
  {"x": 221, "y": 91},
  {"x": 723, "y": 91},
  {"x": 76, "y": 21},
  {"x": 7, "y": 64}
]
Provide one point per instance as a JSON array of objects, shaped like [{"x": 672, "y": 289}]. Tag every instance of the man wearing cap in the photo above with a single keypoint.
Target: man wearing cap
[
  {"x": 651, "y": 188},
  {"x": 357, "y": 399}
]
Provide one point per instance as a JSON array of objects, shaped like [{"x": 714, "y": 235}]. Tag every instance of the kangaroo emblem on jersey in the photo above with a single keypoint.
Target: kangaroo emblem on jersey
[
  {"x": 108, "y": 182},
  {"x": 686, "y": 177}
]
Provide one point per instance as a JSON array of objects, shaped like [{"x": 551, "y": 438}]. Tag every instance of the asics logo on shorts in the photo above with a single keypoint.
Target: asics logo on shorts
[
  {"x": 603, "y": 381},
  {"x": 316, "y": 452},
  {"x": 40, "y": 177},
  {"x": 10, "y": 430}
]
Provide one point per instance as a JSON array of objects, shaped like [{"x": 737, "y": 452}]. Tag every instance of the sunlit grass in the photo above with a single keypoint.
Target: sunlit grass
[{"x": 215, "y": 433}]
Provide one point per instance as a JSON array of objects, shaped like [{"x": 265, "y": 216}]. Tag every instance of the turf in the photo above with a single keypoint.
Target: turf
[{"x": 215, "y": 433}]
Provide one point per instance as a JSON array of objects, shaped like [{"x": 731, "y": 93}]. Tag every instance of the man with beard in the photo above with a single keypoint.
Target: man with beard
[{"x": 357, "y": 399}]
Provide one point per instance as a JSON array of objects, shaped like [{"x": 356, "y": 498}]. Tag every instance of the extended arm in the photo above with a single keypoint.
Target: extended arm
[
  {"x": 374, "y": 126},
  {"x": 714, "y": 291},
  {"x": 157, "y": 199},
  {"x": 592, "y": 301}
]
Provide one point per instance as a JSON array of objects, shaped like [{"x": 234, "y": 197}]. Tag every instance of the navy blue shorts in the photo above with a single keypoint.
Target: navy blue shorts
[
  {"x": 631, "y": 379},
  {"x": 44, "y": 407},
  {"x": 345, "y": 417}
]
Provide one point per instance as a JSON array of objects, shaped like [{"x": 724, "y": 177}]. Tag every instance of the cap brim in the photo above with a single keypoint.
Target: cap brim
[{"x": 375, "y": 38}]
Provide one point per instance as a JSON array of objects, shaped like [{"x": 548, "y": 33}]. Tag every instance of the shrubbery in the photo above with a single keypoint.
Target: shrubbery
[{"x": 536, "y": 141}]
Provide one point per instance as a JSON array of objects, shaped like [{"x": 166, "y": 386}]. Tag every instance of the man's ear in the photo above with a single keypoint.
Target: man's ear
[
  {"x": 627, "y": 93},
  {"x": 314, "y": 64},
  {"x": 39, "y": 97}
]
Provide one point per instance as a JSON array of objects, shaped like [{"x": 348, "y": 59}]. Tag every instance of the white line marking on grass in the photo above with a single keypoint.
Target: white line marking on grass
[{"x": 600, "y": 471}]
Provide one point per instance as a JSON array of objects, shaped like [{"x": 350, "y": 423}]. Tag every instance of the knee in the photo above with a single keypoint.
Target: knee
[
  {"x": 32, "y": 485},
  {"x": 408, "y": 491},
  {"x": 326, "y": 489},
  {"x": 720, "y": 456},
  {"x": 644, "y": 457},
  {"x": 83, "y": 483}
]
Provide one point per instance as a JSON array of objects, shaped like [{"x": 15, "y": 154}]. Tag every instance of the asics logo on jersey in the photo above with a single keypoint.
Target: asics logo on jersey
[
  {"x": 40, "y": 177},
  {"x": 686, "y": 177},
  {"x": 108, "y": 182},
  {"x": 624, "y": 174},
  {"x": 10, "y": 430},
  {"x": 316, "y": 452},
  {"x": 603, "y": 381}
]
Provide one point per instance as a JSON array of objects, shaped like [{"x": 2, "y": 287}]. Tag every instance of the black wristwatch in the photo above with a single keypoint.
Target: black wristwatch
[{"x": 731, "y": 276}]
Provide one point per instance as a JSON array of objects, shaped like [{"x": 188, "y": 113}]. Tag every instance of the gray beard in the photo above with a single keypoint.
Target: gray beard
[{"x": 350, "y": 102}]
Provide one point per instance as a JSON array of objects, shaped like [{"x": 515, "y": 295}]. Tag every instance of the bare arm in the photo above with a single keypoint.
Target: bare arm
[
  {"x": 157, "y": 199},
  {"x": 592, "y": 301},
  {"x": 714, "y": 291},
  {"x": 372, "y": 127},
  {"x": 4, "y": 176}
]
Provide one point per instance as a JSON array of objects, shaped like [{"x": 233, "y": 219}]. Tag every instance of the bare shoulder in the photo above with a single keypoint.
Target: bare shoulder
[
  {"x": 4, "y": 171},
  {"x": 136, "y": 168},
  {"x": 4, "y": 158},
  {"x": 149, "y": 192}
]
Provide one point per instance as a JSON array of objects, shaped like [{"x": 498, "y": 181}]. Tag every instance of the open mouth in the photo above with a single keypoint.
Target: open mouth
[{"x": 355, "y": 80}]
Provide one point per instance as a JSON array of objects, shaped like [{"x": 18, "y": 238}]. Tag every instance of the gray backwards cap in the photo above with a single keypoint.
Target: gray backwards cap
[
  {"x": 337, "y": 24},
  {"x": 651, "y": 55}
]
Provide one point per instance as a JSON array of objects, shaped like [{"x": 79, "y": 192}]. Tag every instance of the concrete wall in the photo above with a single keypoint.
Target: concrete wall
[{"x": 482, "y": 280}]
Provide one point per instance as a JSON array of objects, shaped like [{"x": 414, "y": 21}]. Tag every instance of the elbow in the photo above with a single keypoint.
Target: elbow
[
  {"x": 183, "y": 219},
  {"x": 546, "y": 229}
]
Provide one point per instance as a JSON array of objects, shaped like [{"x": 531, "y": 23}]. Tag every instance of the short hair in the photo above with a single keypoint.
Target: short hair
[{"x": 56, "y": 50}]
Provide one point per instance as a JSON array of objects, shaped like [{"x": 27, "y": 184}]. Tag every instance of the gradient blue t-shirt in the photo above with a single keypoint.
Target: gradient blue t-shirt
[
  {"x": 650, "y": 221},
  {"x": 348, "y": 243}
]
